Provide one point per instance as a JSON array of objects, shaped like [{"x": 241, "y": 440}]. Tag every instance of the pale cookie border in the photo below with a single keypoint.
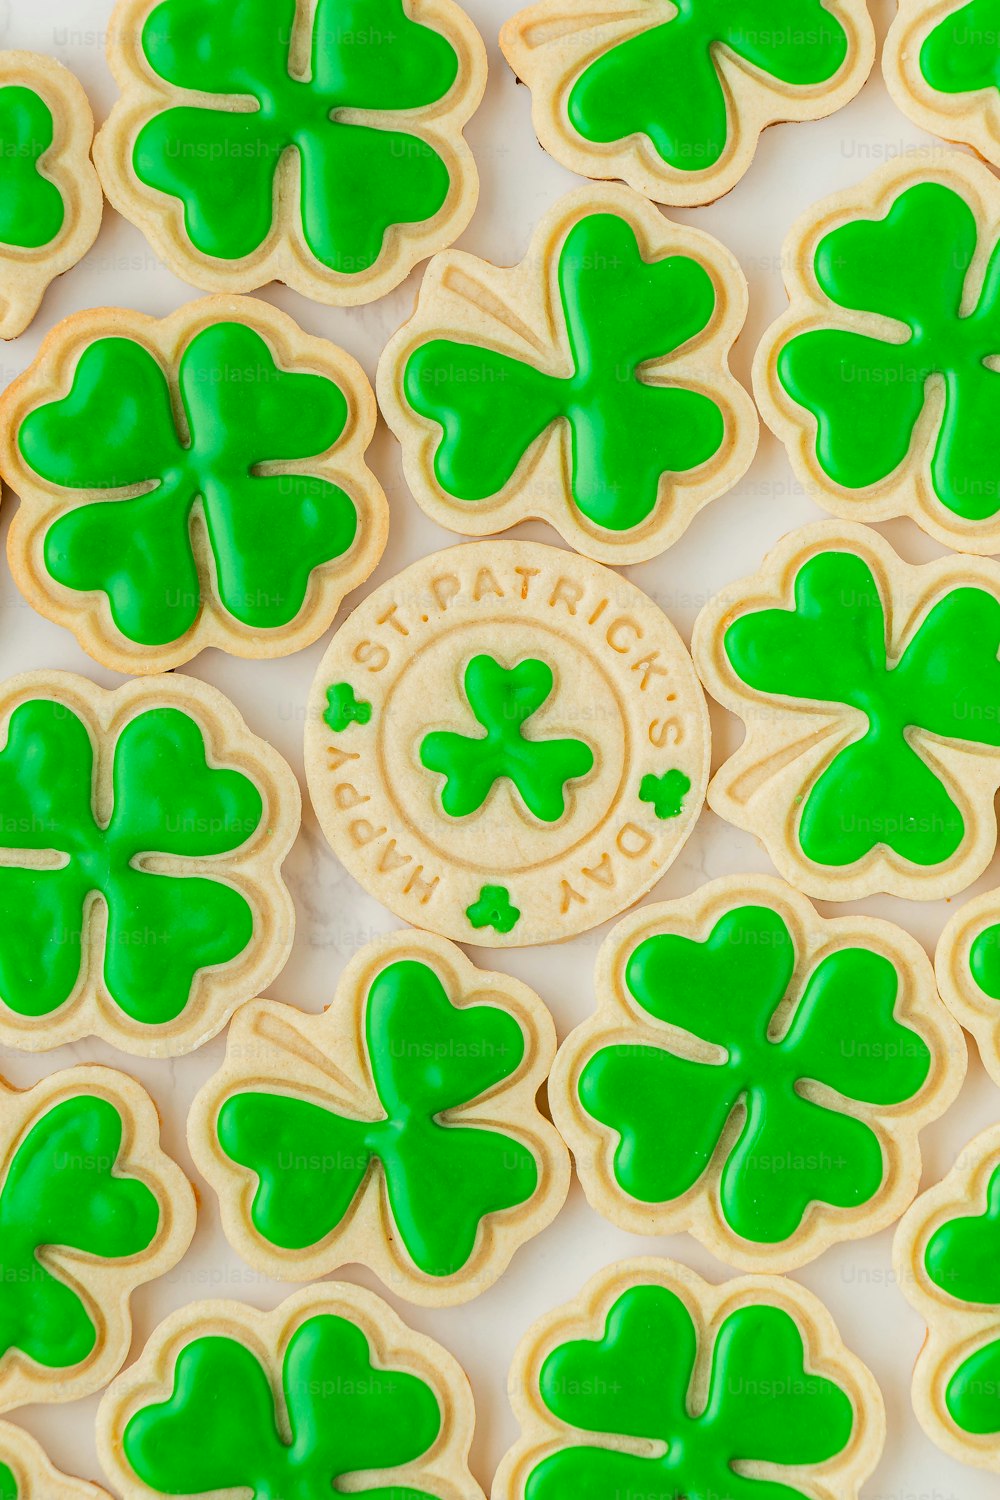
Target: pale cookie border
[
  {"x": 551, "y": 65},
  {"x": 36, "y": 1475},
  {"x": 790, "y": 741},
  {"x": 104, "y": 1285},
  {"x": 284, "y": 255},
  {"x": 50, "y": 377},
  {"x": 971, "y": 1006},
  {"x": 520, "y": 315},
  {"x": 972, "y": 118},
  {"x": 709, "y": 1304},
  {"x": 393, "y": 1345},
  {"x": 908, "y": 490},
  {"x": 26, "y": 274},
  {"x": 253, "y": 868},
  {"x": 620, "y": 1018},
  {"x": 954, "y": 1328}
]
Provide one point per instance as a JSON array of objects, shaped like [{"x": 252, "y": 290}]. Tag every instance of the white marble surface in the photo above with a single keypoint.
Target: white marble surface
[{"x": 795, "y": 165}]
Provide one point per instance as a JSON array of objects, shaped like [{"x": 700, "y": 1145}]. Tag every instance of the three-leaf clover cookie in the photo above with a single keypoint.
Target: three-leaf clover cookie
[
  {"x": 656, "y": 1383},
  {"x": 50, "y": 198},
  {"x": 869, "y": 691},
  {"x": 672, "y": 97},
  {"x": 942, "y": 65},
  {"x": 882, "y": 377},
  {"x": 588, "y": 385},
  {"x": 968, "y": 974},
  {"x": 27, "y": 1473},
  {"x": 331, "y": 1386},
  {"x": 90, "y": 1209},
  {"x": 142, "y": 833},
  {"x": 755, "y": 1074},
  {"x": 191, "y": 482},
  {"x": 399, "y": 1129},
  {"x": 319, "y": 144}
]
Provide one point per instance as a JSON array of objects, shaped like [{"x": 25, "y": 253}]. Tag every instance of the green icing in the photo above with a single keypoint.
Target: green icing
[
  {"x": 961, "y": 54},
  {"x": 984, "y": 961},
  {"x": 879, "y": 789},
  {"x": 666, "y": 793},
  {"x": 32, "y": 211},
  {"x": 664, "y": 83},
  {"x": 8, "y": 1484},
  {"x": 344, "y": 708},
  {"x": 161, "y": 929},
  {"x": 636, "y": 1382},
  {"x": 356, "y": 178},
  {"x": 868, "y": 393},
  {"x": 117, "y": 429},
  {"x": 670, "y": 1111},
  {"x": 494, "y": 908},
  {"x": 963, "y": 1259},
  {"x": 346, "y": 1415},
  {"x": 63, "y": 1188},
  {"x": 427, "y": 1057},
  {"x": 502, "y": 699},
  {"x": 626, "y": 431}
]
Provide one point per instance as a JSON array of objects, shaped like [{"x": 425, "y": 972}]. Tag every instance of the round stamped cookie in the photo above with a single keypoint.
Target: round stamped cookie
[
  {"x": 190, "y": 482},
  {"x": 50, "y": 198},
  {"x": 588, "y": 386},
  {"x": 657, "y": 1383},
  {"x": 207, "y": 1406},
  {"x": 322, "y": 1135},
  {"x": 90, "y": 1209},
  {"x": 968, "y": 974},
  {"x": 507, "y": 744},
  {"x": 142, "y": 833},
  {"x": 755, "y": 1074},
  {"x": 349, "y": 167},
  {"x": 869, "y": 692},
  {"x": 26, "y": 1472},
  {"x": 672, "y": 96},
  {"x": 882, "y": 378},
  {"x": 942, "y": 67}
]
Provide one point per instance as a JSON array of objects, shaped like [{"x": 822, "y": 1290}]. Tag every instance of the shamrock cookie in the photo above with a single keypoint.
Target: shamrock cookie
[
  {"x": 942, "y": 66},
  {"x": 968, "y": 974},
  {"x": 191, "y": 482},
  {"x": 142, "y": 833},
  {"x": 869, "y": 691},
  {"x": 656, "y": 1383},
  {"x": 882, "y": 379},
  {"x": 507, "y": 744},
  {"x": 90, "y": 1209},
  {"x": 329, "y": 1386},
  {"x": 319, "y": 144},
  {"x": 27, "y": 1474},
  {"x": 50, "y": 198},
  {"x": 588, "y": 386},
  {"x": 673, "y": 97}
]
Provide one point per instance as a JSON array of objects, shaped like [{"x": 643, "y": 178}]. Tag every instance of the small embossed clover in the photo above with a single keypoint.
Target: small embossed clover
[
  {"x": 344, "y": 707},
  {"x": 665, "y": 793},
  {"x": 494, "y": 908}
]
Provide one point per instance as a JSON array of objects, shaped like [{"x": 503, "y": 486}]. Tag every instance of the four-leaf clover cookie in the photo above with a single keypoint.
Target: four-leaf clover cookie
[
  {"x": 399, "y": 1129},
  {"x": 588, "y": 385},
  {"x": 319, "y": 144},
  {"x": 755, "y": 1074},
  {"x": 331, "y": 1386},
  {"x": 672, "y": 95},
  {"x": 656, "y": 1383},
  {"x": 196, "y": 481},
  {"x": 869, "y": 691},
  {"x": 968, "y": 974},
  {"x": 942, "y": 66},
  {"x": 142, "y": 833},
  {"x": 883, "y": 377},
  {"x": 26, "y": 1472}
]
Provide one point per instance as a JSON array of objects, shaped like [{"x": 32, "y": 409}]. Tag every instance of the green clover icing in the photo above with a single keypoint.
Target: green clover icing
[
  {"x": 494, "y": 908},
  {"x": 9, "y": 1489},
  {"x": 868, "y": 393},
  {"x": 32, "y": 211},
  {"x": 879, "y": 788},
  {"x": 117, "y": 430},
  {"x": 960, "y": 55},
  {"x": 344, "y": 708},
  {"x": 984, "y": 960},
  {"x": 161, "y": 929},
  {"x": 963, "y": 1259},
  {"x": 427, "y": 1057},
  {"x": 666, "y": 793},
  {"x": 637, "y": 1382},
  {"x": 63, "y": 1188},
  {"x": 357, "y": 177},
  {"x": 626, "y": 432},
  {"x": 346, "y": 1415}
]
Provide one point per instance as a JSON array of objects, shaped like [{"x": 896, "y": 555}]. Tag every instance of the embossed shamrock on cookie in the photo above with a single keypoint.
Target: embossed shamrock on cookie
[
  {"x": 26, "y": 1472},
  {"x": 942, "y": 67},
  {"x": 330, "y": 1386},
  {"x": 672, "y": 95},
  {"x": 882, "y": 378},
  {"x": 869, "y": 690},
  {"x": 507, "y": 744},
  {"x": 142, "y": 833},
  {"x": 968, "y": 974},
  {"x": 191, "y": 482},
  {"x": 690, "y": 1389},
  {"x": 588, "y": 386},
  {"x": 315, "y": 142}
]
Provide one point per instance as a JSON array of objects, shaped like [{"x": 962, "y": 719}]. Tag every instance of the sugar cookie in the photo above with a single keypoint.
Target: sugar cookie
[
  {"x": 27, "y": 1474},
  {"x": 968, "y": 974},
  {"x": 942, "y": 67}
]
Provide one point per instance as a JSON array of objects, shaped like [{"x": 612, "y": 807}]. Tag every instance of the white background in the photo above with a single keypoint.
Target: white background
[{"x": 795, "y": 165}]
